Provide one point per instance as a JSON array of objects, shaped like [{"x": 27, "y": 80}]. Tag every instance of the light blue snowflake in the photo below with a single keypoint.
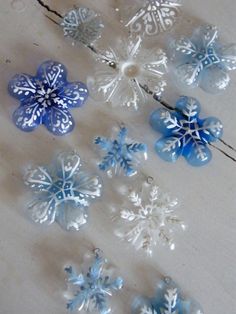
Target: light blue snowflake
[
  {"x": 184, "y": 133},
  {"x": 92, "y": 289},
  {"x": 120, "y": 154},
  {"x": 63, "y": 192},
  {"x": 202, "y": 61},
  {"x": 168, "y": 300}
]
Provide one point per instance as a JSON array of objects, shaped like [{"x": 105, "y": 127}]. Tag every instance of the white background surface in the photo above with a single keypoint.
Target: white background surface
[{"x": 32, "y": 257}]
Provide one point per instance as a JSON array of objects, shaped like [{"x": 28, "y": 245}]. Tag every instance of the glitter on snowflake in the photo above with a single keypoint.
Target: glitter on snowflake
[
  {"x": 63, "y": 192},
  {"x": 46, "y": 99},
  {"x": 91, "y": 290},
  {"x": 203, "y": 61},
  {"x": 148, "y": 219},
  {"x": 184, "y": 133},
  {"x": 120, "y": 154},
  {"x": 123, "y": 72},
  {"x": 82, "y": 25},
  {"x": 168, "y": 300},
  {"x": 155, "y": 17}
]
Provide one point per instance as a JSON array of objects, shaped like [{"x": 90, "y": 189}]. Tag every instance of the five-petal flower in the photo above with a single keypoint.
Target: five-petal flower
[
  {"x": 124, "y": 71},
  {"x": 202, "y": 61},
  {"x": 184, "y": 133},
  {"x": 120, "y": 154},
  {"x": 168, "y": 300},
  {"x": 63, "y": 192},
  {"x": 92, "y": 289},
  {"x": 46, "y": 99}
]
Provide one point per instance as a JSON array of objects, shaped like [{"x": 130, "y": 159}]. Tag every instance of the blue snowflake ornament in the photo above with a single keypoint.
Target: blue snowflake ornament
[
  {"x": 46, "y": 99},
  {"x": 120, "y": 154},
  {"x": 63, "y": 192},
  {"x": 91, "y": 290},
  {"x": 202, "y": 61},
  {"x": 184, "y": 133},
  {"x": 168, "y": 300}
]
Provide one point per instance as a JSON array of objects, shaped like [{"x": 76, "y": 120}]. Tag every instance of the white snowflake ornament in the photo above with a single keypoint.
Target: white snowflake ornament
[{"x": 148, "y": 218}]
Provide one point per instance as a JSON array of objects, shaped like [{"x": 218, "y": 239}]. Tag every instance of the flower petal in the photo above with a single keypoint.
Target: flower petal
[
  {"x": 43, "y": 210},
  {"x": 214, "y": 80},
  {"x": 188, "y": 74},
  {"x": 169, "y": 148},
  {"x": 22, "y": 86},
  {"x": 205, "y": 36},
  {"x": 38, "y": 179},
  {"x": 28, "y": 116},
  {"x": 228, "y": 57},
  {"x": 67, "y": 165},
  {"x": 52, "y": 73},
  {"x": 73, "y": 95},
  {"x": 189, "y": 107},
  {"x": 164, "y": 121},
  {"x": 58, "y": 121},
  {"x": 198, "y": 154},
  {"x": 185, "y": 46},
  {"x": 87, "y": 187},
  {"x": 212, "y": 129}
]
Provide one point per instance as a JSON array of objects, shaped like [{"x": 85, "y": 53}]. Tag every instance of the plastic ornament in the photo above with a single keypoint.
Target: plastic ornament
[
  {"x": 63, "y": 192},
  {"x": 120, "y": 155},
  {"x": 184, "y": 133},
  {"x": 92, "y": 289},
  {"x": 46, "y": 99},
  {"x": 167, "y": 300},
  {"x": 147, "y": 218},
  {"x": 123, "y": 72},
  {"x": 82, "y": 25},
  {"x": 203, "y": 61}
]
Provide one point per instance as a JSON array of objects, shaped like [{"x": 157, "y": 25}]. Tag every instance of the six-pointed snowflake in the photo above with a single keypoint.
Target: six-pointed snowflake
[
  {"x": 46, "y": 99},
  {"x": 82, "y": 25},
  {"x": 202, "y": 61},
  {"x": 123, "y": 73},
  {"x": 168, "y": 300},
  {"x": 121, "y": 154},
  {"x": 184, "y": 133},
  {"x": 63, "y": 192},
  {"x": 91, "y": 290},
  {"x": 148, "y": 219},
  {"x": 154, "y": 17}
]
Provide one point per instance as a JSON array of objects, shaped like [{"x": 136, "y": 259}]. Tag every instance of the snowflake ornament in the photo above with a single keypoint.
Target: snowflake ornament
[
  {"x": 168, "y": 300},
  {"x": 184, "y": 133},
  {"x": 202, "y": 61},
  {"x": 123, "y": 73},
  {"x": 63, "y": 192},
  {"x": 92, "y": 289},
  {"x": 82, "y": 25},
  {"x": 154, "y": 17},
  {"x": 148, "y": 218},
  {"x": 120, "y": 154},
  {"x": 46, "y": 99}
]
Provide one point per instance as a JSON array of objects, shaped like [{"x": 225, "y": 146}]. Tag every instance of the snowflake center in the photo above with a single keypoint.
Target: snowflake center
[
  {"x": 45, "y": 96},
  {"x": 130, "y": 69},
  {"x": 62, "y": 190},
  {"x": 207, "y": 57}
]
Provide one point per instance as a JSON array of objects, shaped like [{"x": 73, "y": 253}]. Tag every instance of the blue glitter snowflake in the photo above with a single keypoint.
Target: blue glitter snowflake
[
  {"x": 63, "y": 192},
  {"x": 202, "y": 61},
  {"x": 168, "y": 300},
  {"x": 120, "y": 154},
  {"x": 92, "y": 289},
  {"x": 184, "y": 133},
  {"x": 46, "y": 99}
]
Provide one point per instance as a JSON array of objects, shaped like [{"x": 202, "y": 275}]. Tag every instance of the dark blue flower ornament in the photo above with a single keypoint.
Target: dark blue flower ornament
[
  {"x": 91, "y": 289},
  {"x": 168, "y": 300},
  {"x": 184, "y": 133},
  {"x": 46, "y": 99},
  {"x": 120, "y": 154},
  {"x": 202, "y": 61}
]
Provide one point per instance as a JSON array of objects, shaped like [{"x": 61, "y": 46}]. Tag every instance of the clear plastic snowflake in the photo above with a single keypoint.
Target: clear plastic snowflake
[
  {"x": 203, "y": 61},
  {"x": 91, "y": 290},
  {"x": 184, "y": 133},
  {"x": 63, "y": 192},
  {"x": 168, "y": 300},
  {"x": 120, "y": 154},
  {"x": 154, "y": 17},
  {"x": 148, "y": 218},
  {"x": 82, "y": 25},
  {"x": 124, "y": 71}
]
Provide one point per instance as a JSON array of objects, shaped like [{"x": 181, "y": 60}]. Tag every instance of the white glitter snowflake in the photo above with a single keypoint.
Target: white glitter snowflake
[{"x": 150, "y": 220}]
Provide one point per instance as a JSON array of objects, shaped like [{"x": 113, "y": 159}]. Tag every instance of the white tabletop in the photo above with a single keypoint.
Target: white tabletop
[{"x": 32, "y": 257}]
